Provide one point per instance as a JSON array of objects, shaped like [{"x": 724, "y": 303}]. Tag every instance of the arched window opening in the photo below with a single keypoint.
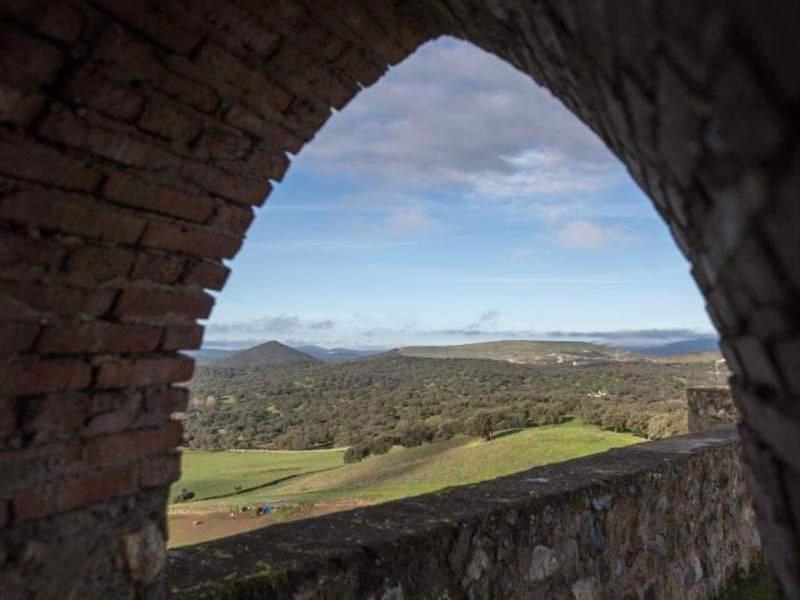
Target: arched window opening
[{"x": 455, "y": 257}]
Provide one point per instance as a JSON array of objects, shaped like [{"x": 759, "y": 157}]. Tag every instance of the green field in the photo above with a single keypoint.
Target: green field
[
  {"x": 522, "y": 350},
  {"x": 401, "y": 473},
  {"x": 217, "y": 473}
]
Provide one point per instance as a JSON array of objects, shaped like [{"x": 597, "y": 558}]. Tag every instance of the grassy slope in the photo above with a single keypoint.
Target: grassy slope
[
  {"x": 504, "y": 350},
  {"x": 216, "y": 473},
  {"x": 431, "y": 467}
]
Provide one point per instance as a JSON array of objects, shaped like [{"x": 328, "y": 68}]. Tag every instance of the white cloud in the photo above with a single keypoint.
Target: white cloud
[
  {"x": 586, "y": 235},
  {"x": 411, "y": 220},
  {"x": 451, "y": 111},
  {"x": 544, "y": 173}
]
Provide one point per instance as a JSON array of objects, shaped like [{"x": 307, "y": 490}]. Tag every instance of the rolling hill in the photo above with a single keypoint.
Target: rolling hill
[
  {"x": 403, "y": 471},
  {"x": 208, "y": 356},
  {"x": 335, "y": 355},
  {"x": 699, "y": 345},
  {"x": 266, "y": 354},
  {"x": 518, "y": 351}
]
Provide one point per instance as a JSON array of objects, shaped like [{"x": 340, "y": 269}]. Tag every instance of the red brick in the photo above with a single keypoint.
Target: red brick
[
  {"x": 100, "y": 263},
  {"x": 144, "y": 371},
  {"x": 98, "y": 336},
  {"x": 64, "y": 126},
  {"x": 155, "y": 24},
  {"x": 152, "y": 303},
  {"x": 19, "y": 106},
  {"x": 272, "y": 165},
  {"x": 52, "y": 19},
  {"x": 135, "y": 192},
  {"x": 228, "y": 67},
  {"x": 8, "y": 417},
  {"x": 322, "y": 78},
  {"x": 225, "y": 144},
  {"x": 53, "y": 498},
  {"x": 251, "y": 34},
  {"x": 191, "y": 240},
  {"x": 133, "y": 444},
  {"x": 17, "y": 337},
  {"x": 30, "y": 160},
  {"x": 55, "y": 413},
  {"x": 162, "y": 470},
  {"x": 232, "y": 219},
  {"x": 160, "y": 268},
  {"x": 178, "y": 337},
  {"x": 357, "y": 66},
  {"x": 31, "y": 56},
  {"x": 28, "y": 466},
  {"x": 93, "y": 90},
  {"x": 168, "y": 401},
  {"x": 32, "y": 252},
  {"x": 169, "y": 123},
  {"x": 136, "y": 60},
  {"x": 70, "y": 214},
  {"x": 358, "y": 19},
  {"x": 206, "y": 274},
  {"x": 111, "y": 412},
  {"x": 275, "y": 136},
  {"x": 44, "y": 377},
  {"x": 224, "y": 185},
  {"x": 54, "y": 299}
]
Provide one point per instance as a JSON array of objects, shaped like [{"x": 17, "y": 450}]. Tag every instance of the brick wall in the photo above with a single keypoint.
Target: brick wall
[{"x": 136, "y": 139}]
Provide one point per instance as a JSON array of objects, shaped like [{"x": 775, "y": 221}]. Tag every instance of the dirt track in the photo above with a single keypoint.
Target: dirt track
[{"x": 217, "y": 523}]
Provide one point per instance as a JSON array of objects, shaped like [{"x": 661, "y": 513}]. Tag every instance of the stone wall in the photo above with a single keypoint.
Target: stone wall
[
  {"x": 137, "y": 138},
  {"x": 666, "y": 520},
  {"x": 710, "y": 407}
]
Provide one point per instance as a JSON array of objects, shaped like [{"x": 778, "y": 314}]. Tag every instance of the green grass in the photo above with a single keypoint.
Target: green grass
[
  {"x": 217, "y": 473},
  {"x": 412, "y": 471},
  {"x": 505, "y": 350}
]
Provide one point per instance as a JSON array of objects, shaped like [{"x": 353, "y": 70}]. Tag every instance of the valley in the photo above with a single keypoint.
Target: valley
[
  {"x": 272, "y": 424},
  {"x": 302, "y": 484}
]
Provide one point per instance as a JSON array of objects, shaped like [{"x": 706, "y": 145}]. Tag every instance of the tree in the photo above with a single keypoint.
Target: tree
[{"x": 481, "y": 424}]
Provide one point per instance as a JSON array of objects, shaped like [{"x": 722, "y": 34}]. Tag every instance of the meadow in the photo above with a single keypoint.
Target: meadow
[
  {"x": 309, "y": 483},
  {"x": 214, "y": 474}
]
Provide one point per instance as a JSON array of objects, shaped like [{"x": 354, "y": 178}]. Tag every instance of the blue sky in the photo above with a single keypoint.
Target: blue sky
[{"x": 456, "y": 201}]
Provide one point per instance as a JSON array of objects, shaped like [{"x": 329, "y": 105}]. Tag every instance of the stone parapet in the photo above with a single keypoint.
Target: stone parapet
[
  {"x": 710, "y": 407},
  {"x": 668, "y": 520}
]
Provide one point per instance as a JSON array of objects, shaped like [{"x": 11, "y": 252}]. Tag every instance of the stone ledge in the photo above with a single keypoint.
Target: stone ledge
[{"x": 646, "y": 519}]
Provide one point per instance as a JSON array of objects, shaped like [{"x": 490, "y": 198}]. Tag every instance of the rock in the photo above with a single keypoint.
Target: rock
[
  {"x": 197, "y": 522},
  {"x": 585, "y": 589},
  {"x": 144, "y": 553},
  {"x": 543, "y": 563}
]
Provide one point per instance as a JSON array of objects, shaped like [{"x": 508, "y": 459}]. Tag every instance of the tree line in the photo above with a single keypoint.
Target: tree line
[{"x": 372, "y": 404}]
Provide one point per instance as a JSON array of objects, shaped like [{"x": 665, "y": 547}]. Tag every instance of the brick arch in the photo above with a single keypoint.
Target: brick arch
[{"x": 136, "y": 138}]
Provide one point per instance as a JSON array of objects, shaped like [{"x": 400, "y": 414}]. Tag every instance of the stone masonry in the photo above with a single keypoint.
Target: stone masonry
[
  {"x": 136, "y": 139},
  {"x": 709, "y": 407},
  {"x": 667, "y": 520}
]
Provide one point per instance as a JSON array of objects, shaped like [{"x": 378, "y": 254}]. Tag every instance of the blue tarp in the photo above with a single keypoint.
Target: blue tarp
[{"x": 266, "y": 508}]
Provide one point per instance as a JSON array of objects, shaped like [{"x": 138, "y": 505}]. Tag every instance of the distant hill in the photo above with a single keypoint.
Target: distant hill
[
  {"x": 334, "y": 355},
  {"x": 519, "y": 351},
  {"x": 693, "y": 346},
  {"x": 207, "y": 356},
  {"x": 269, "y": 353}
]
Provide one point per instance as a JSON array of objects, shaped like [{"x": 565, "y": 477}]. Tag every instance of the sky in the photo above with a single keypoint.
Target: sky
[{"x": 456, "y": 201}]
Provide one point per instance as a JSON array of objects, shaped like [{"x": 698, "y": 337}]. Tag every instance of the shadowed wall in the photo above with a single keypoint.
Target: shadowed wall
[{"x": 135, "y": 138}]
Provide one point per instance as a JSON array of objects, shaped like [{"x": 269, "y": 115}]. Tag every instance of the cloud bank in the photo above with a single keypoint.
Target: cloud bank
[{"x": 458, "y": 119}]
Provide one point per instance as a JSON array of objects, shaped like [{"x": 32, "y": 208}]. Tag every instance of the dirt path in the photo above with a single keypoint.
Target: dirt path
[{"x": 192, "y": 527}]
